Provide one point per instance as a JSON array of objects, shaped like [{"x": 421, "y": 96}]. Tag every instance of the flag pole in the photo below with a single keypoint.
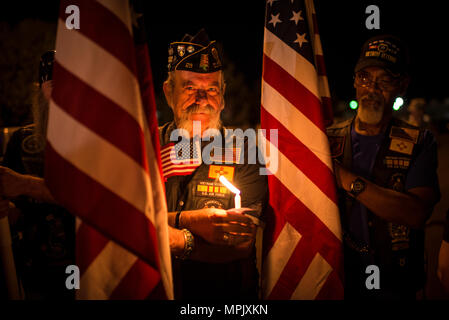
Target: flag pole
[{"x": 7, "y": 258}]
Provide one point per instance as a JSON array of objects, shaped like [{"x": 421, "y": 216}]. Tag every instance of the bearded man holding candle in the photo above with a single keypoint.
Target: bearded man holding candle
[{"x": 214, "y": 244}]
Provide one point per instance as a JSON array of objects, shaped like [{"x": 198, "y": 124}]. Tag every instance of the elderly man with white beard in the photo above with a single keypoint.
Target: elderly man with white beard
[
  {"x": 386, "y": 174},
  {"x": 217, "y": 260}
]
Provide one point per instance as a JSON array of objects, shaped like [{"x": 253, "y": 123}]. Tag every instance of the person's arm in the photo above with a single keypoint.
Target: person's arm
[
  {"x": 13, "y": 184},
  {"x": 411, "y": 208},
  {"x": 216, "y": 226},
  {"x": 443, "y": 265}
]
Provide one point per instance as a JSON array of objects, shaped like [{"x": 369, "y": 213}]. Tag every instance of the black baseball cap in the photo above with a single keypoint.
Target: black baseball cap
[
  {"x": 195, "y": 53},
  {"x": 384, "y": 51}
]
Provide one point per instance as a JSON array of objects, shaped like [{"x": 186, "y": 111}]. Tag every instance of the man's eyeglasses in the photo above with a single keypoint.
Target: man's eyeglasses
[{"x": 365, "y": 80}]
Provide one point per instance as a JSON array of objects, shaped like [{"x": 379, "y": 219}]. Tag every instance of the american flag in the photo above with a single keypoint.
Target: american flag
[
  {"x": 102, "y": 153},
  {"x": 302, "y": 245},
  {"x": 180, "y": 159}
]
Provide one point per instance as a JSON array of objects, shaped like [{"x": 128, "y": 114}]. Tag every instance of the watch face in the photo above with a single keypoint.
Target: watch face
[{"x": 358, "y": 186}]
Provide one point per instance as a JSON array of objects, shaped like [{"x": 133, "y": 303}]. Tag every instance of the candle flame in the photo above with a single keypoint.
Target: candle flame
[{"x": 229, "y": 185}]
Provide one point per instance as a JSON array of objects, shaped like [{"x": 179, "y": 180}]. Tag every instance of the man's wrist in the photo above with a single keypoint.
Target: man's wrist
[
  {"x": 176, "y": 241},
  {"x": 36, "y": 188},
  {"x": 357, "y": 186}
]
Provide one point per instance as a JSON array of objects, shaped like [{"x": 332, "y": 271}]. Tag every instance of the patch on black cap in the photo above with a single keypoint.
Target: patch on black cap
[
  {"x": 195, "y": 53},
  {"x": 385, "y": 51}
]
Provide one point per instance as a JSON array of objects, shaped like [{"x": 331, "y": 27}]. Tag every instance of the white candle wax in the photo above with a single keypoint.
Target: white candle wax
[{"x": 237, "y": 201}]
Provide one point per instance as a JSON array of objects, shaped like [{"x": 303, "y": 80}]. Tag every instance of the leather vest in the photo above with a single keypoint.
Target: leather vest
[
  {"x": 397, "y": 249},
  {"x": 200, "y": 189}
]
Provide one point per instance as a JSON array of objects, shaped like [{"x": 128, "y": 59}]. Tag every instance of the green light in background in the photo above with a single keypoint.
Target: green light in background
[
  {"x": 398, "y": 103},
  {"x": 353, "y": 104}
]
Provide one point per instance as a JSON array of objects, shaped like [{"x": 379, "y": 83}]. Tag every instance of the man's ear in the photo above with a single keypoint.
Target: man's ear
[{"x": 168, "y": 91}]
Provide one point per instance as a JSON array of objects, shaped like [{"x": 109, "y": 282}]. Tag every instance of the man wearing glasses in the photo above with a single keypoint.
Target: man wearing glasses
[{"x": 386, "y": 174}]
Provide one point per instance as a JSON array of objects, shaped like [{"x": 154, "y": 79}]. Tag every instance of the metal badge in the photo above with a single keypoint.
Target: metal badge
[
  {"x": 397, "y": 182},
  {"x": 216, "y": 57},
  {"x": 190, "y": 49},
  {"x": 204, "y": 62},
  {"x": 181, "y": 50}
]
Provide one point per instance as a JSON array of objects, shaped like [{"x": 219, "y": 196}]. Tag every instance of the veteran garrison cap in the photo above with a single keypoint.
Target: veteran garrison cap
[
  {"x": 385, "y": 51},
  {"x": 195, "y": 53}
]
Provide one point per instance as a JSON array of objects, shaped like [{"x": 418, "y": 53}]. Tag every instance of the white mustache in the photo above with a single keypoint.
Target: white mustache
[
  {"x": 194, "y": 108},
  {"x": 371, "y": 97}
]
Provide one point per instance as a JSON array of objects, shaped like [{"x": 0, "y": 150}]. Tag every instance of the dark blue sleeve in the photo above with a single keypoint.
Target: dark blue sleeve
[{"x": 423, "y": 171}]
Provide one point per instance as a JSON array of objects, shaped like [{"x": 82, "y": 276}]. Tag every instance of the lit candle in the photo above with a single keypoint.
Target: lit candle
[
  {"x": 233, "y": 189},
  {"x": 237, "y": 201}
]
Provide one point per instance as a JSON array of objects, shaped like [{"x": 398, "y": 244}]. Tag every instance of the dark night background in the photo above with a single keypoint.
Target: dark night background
[
  {"x": 238, "y": 25},
  {"x": 28, "y": 28}
]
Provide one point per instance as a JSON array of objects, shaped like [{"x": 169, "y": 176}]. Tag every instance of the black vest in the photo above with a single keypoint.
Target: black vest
[
  {"x": 200, "y": 280},
  {"x": 397, "y": 250}
]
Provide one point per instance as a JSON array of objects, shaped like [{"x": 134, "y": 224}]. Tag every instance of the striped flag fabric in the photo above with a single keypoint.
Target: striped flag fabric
[
  {"x": 180, "y": 159},
  {"x": 102, "y": 156},
  {"x": 303, "y": 257}
]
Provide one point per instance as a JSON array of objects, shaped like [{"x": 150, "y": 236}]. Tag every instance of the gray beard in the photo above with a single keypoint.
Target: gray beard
[
  {"x": 370, "y": 116},
  {"x": 187, "y": 124}
]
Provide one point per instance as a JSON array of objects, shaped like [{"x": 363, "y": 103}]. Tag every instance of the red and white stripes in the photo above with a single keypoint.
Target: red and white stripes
[
  {"x": 101, "y": 161},
  {"x": 303, "y": 252}
]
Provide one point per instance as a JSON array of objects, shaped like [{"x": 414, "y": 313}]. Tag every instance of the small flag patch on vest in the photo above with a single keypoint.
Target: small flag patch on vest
[
  {"x": 217, "y": 171},
  {"x": 405, "y": 134},
  {"x": 401, "y": 146}
]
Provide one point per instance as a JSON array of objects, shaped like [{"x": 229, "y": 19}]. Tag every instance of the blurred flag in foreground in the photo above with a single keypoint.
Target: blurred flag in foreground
[
  {"x": 302, "y": 246},
  {"x": 102, "y": 159}
]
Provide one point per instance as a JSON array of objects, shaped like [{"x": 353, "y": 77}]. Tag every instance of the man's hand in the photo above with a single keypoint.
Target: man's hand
[
  {"x": 12, "y": 184},
  {"x": 220, "y": 227},
  {"x": 411, "y": 207}
]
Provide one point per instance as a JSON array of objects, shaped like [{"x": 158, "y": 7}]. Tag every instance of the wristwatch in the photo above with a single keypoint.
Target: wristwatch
[{"x": 357, "y": 187}]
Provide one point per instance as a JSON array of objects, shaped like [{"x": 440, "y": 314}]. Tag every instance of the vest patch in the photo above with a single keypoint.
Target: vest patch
[
  {"x": 399, "y": 236},
  {"x": 211, "y": 189},
  {"x": 396, "y": 162},
  {"x": 217, "y": 171},
  {"x": 225, "y": 155},
  {"x": 212, "y": 204},
  {"x": 397, "y": 182},
  {"x": 336, "y": 144},
  {"x": 405, "y": 134},
  {"x": 401, "y": 146}
]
